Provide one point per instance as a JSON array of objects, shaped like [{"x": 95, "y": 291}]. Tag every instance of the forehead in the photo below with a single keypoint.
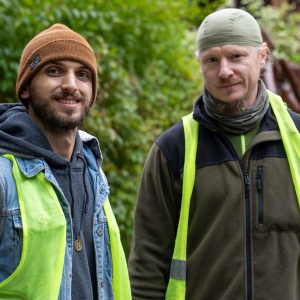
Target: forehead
[
  {"x": 227, "y": 50},
  {"x": 67, "y": 64}
]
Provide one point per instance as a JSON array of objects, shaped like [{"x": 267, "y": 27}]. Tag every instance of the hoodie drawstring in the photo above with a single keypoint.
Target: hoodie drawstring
[
  {"x": 86, "y": 193},
  {"x": 78, "y": 242}
]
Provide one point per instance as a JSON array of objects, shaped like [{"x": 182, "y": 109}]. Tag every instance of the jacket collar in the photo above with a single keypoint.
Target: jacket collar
[{"x": 30, "y": 166}]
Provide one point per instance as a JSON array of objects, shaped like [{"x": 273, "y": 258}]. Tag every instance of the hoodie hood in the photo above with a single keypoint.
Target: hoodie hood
[{"x": 20, "y": 135}]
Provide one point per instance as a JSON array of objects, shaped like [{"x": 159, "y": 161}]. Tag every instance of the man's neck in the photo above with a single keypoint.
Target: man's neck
[
  {"x": 62, "y": 141},
  {"x": 62, "y": 145}
]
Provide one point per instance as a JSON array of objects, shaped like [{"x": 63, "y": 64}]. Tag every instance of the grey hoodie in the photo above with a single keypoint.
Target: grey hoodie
[{"x": 21, "y": 136}]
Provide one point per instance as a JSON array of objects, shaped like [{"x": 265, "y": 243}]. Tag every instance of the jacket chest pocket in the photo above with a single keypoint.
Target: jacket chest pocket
[{"x": 274, "y": 203}]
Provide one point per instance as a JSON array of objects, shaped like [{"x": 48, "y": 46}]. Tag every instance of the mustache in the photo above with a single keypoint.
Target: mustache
[
  {"x": 226, "y": 82},
  {"x": 63, "y": 94}
]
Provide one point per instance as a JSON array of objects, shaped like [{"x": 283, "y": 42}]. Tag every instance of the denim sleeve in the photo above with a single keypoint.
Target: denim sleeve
[{"x": 11, "y": 237}]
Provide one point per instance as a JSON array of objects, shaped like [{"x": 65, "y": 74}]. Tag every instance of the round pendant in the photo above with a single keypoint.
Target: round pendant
[{"x": 78, "y": 244}]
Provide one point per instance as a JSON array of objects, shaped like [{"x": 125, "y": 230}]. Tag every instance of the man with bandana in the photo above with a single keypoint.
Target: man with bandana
[{"x": 226, "y": 225}]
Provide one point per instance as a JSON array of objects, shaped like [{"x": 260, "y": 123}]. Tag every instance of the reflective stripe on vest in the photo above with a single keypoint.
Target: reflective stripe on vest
[
  {"x": 120, "y": 277},
  {"x": 176, "y": 287},
  {"x": 38, "y": 275},
  {"x": 291, "y": 141}
]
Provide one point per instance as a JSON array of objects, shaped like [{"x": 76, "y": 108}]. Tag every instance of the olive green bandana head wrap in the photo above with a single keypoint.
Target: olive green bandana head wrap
[{"x": 228, "y": 26}]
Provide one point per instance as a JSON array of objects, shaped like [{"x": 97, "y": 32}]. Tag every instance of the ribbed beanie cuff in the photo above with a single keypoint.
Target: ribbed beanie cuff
[
  {"x": 228, "y": 26},
  {"x": 55, "y": 43}
]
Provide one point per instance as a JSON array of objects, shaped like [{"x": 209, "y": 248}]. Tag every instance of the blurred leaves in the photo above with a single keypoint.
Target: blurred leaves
[
  {"x": 148, "y": 76},
  {"x": 283, "y": 24}
]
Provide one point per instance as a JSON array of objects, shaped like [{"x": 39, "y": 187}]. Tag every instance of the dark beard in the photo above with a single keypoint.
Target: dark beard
[
  {"x": 48, "y": 116},
  {"x": 230, "y": 109}
]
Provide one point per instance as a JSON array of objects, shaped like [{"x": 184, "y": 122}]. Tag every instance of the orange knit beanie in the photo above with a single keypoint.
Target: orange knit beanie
[{"x": 55, "y": 43}]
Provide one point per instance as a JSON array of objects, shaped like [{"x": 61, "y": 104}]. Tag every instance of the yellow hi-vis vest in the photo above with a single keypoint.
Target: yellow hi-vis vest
[
  {"x": 291, "y": 140},
  {"x": 39, "y": 273}
]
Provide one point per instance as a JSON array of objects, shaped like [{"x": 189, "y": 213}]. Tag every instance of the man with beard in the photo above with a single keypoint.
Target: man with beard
[
  {"x": 58, "y": 235},
  {"x": 217, "y": 214}
]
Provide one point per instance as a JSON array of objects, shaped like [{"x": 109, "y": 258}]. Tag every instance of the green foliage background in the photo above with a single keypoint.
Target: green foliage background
[
  {"x": 282, "y": 23},
  {"x": 149, "y": 77}
]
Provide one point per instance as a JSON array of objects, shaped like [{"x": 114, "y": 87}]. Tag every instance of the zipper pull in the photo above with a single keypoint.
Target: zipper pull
[
  {"x": 246, "y": 179},
  {"x": 259, "y": 175}
]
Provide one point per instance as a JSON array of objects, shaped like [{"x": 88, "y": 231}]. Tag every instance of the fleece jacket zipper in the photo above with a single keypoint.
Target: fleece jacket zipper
[{"x": 247, "y": 206}]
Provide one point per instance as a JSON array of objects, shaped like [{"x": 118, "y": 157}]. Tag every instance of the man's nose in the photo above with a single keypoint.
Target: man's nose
[
  {"x": 225, "y": 69},
  {"x": 69, "y": 82}
]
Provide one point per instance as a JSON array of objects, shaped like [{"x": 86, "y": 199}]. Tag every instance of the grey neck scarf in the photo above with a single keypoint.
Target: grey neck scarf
[{"x": 247, "y": 120}]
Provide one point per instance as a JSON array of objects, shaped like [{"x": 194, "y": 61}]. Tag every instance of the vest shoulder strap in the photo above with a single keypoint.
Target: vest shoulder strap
[
  {"x": 120, "y": 277},
  {"x": 290, "y": 138},
  {"x": 176, "y": 287}
]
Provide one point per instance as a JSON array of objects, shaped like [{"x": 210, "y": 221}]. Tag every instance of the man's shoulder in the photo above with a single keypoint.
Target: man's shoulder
[
  {"x": 5, "y": 165},
  {"x": 296, "y": 118},
  {"x": 91, "y": 148},
  {"x": 8, "y": 192},
  {"x": 172, "y": 138},
  {"x": 171, "y": 143}
]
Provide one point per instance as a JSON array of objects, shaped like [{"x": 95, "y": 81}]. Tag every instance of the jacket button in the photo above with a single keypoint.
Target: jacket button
[
  {"x": 102, "y": 191},
  {"x": 102, "y": 283},
  {"x": 99, "y": 231}
]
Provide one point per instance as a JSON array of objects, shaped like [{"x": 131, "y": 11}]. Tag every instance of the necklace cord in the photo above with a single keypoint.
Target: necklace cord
[{"x": 86, "y": 193}]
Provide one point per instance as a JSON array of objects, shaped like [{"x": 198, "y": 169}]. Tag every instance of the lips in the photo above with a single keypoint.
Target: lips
[
  {"x": 66, "y": 101},
  {"x": 228, "y": 85},
  {"x": 67, "y": 98}
]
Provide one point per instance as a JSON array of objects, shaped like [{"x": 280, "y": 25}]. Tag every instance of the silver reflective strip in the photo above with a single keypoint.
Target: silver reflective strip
[{"x": 178, "y": 269}]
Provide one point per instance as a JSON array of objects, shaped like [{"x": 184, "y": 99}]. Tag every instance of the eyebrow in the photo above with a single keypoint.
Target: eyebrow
[
  {"x": 205, "y": 55},
  {"x": 58, "y": 63}
]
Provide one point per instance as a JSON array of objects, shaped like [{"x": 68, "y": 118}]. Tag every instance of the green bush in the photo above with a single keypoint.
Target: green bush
[
  {"x": 283, "y": 24},
  {"x": 148, "y": 76}
]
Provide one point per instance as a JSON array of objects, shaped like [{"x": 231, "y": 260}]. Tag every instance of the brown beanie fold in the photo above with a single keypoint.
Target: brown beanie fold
[{"x": 56, "y": 43}]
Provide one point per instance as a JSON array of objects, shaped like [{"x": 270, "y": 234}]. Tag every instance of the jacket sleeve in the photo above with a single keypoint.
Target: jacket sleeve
[{"x": 155, "y": 226}]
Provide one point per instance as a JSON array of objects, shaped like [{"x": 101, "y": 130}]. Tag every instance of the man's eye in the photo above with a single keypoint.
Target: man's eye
[
  {"x": 237, "y": 56},
  {"x": 52, "y": 71},
  {"x": 83, "y": 75},
  {"x": 212, "y": 60}
]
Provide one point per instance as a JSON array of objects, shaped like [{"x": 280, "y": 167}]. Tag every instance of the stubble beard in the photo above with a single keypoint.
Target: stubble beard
[
  {"x": 230, "y": 109},
  {"x": 47, "y": 115}
]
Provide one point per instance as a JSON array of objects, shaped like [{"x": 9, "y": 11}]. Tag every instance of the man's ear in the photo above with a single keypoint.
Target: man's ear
[
  {"x": 25, "y": 94},
  {"x": 263, "y": 55}
]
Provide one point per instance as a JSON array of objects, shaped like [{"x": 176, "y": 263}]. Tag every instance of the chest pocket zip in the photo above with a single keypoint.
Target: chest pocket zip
[{"x": 260, "y": 199}]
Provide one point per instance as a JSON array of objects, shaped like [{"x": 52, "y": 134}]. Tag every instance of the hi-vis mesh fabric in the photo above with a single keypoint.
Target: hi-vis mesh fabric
[
  {"x": 176, "y": 287},
  {"x": 39, "y": 273},
  {"x": 291, "y": 141},
  {"x": 120, "y": 277},
  {"x": 290, "y": 138}
]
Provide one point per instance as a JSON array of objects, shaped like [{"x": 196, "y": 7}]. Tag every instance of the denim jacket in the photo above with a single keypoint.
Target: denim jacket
[{"x": 11, "y": 224}]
